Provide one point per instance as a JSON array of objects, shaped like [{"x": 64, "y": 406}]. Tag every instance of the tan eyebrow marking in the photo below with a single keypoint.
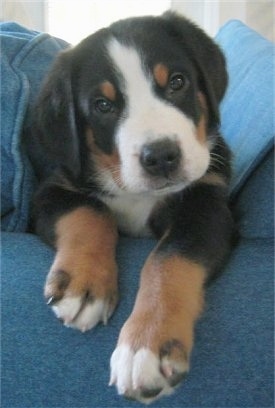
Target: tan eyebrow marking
[
  {"x": 161, "y": 74},
  {"x": 108, "y": 90}
]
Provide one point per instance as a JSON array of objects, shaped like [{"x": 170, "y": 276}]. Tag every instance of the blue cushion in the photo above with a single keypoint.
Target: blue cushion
[
  {"x": 248, "y": 110},
  {"x": 45, "y": 364},
  {"x": 25, "y": 58},
  {"x": 254, "y": 204}
]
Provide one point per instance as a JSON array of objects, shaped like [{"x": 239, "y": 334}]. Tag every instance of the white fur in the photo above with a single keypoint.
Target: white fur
[
  {"x": 132, "y": 211},
  {"x": 131, "y": 372},
  {"x": 149, "y": 119},
  {"x": 69, "y": 310},
  {"x": 121, "y": 369},
  {"x": 146, "y": 370}
]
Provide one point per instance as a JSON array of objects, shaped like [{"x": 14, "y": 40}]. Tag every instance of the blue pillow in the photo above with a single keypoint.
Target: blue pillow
[
  {"x": 247, "y": 111},
  {"x": 25, "y": 58}
]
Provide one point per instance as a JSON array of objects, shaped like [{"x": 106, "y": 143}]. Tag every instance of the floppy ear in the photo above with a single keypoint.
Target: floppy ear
[
  {"x": 207, "y": 57},
  {"x": 53, "y": 141}
]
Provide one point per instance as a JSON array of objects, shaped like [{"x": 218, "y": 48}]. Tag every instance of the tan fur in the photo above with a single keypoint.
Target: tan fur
[
  {"x": 203, "y": 104},
  {"x": 108, "y": 90},
  {"x": 201, "y": 130},
  {"x": 161, "y": 75},
  {"x": 169, "y": 301},
  {"x": 103, "y": 161},
  {"x": 202, "y": 126},
  {"x": 86, "y": 244}
]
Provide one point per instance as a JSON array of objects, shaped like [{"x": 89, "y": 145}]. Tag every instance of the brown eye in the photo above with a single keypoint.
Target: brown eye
[
  {"x": 102, "y": 105},
  {"x": 178, "y": 82}
]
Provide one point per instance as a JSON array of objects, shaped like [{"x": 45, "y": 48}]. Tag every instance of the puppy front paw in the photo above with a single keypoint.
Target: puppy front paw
[
  {"x": 145, "y": 375},
  {"x": 82, "y": 294},
  {"x": 155, "y": 343}
]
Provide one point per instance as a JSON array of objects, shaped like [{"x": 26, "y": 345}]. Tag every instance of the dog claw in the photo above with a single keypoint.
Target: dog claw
[{"x": 51, "y": 301}]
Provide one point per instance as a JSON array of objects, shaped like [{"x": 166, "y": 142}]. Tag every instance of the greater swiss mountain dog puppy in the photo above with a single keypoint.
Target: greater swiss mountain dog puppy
[{"x": 125, "y": 138}]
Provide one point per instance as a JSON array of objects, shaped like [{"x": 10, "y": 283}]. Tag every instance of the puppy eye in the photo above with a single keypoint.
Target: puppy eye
[
  {"x": 102, "y": 105},
  {"x": 177, "y": 82}
]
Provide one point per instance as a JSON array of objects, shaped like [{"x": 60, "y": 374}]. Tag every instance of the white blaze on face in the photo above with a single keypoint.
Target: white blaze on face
[{"x": 149, "y": 119}]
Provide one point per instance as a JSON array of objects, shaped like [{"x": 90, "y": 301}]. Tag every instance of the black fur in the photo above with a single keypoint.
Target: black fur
[{"x": 198, "y": 218}]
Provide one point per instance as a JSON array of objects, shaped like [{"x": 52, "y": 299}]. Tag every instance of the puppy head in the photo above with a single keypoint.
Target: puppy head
[{"x": 142, "y": 101}]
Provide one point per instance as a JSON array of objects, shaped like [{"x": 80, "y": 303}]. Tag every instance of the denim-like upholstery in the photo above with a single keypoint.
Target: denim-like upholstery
[
  {"x": 45, "y": 364},
  {"x": 25, "y": 59}
]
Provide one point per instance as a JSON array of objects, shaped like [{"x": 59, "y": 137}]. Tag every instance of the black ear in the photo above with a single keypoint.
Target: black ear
[
  {"x": 53, "y": 140},
  {"x": 207, "y": 57}
]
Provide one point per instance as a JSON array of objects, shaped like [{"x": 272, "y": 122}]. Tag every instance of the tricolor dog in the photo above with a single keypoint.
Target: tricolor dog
[{"x": 126, "y": 139}]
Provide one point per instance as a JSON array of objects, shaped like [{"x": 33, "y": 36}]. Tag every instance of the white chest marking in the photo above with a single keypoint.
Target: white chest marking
[{"x": 132, "y": 212}]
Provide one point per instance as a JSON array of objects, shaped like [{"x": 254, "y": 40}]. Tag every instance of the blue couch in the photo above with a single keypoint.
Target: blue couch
[{"x": 45, "y": 364}]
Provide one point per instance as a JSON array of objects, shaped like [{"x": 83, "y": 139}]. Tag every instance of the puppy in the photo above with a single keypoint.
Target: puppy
[{"x": 125, "y": 138}]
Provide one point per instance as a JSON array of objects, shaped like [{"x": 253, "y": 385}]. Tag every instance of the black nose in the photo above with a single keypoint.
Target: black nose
[{"x": 160, "y": 158}]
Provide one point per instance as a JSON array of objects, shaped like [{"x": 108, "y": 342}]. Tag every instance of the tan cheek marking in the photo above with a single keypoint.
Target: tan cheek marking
[
  {"x": 108, "y": 90},
  {"x": 203, "y": 102},
  {"x": 169, "y": 301},
  {"x": 86, "y": 242},
  {"x": 202, "y": 126},
  {"x": 103, "y": 161},
  {"x": 201, "y": 130},
  {"x": 161, "y": 75}
]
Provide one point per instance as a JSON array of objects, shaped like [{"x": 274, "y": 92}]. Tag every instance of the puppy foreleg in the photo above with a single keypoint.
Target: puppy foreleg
[
  {"x": 155, "y": 343},
  {"x": 81, "y": 286}
]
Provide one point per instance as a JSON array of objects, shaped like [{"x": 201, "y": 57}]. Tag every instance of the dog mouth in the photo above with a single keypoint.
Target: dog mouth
[
  {"x": 153, "y": 186},
  {"x": 169, "y": 187},
  {"x": 166, "y": 185}
]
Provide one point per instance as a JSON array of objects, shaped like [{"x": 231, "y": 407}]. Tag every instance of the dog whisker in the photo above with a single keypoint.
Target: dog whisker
[{"x": 216, "y": 160}]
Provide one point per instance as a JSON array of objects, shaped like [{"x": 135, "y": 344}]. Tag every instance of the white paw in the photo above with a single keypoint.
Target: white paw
[
  {"x": 82, "y": 315},
  {"x": 143, "y": 375}
]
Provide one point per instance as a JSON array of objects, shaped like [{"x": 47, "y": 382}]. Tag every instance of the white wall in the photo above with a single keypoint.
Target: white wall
[
  {"x": 209, "y": 14},
  {"x": 73, "y": 20},
  {"x": 27, "y": 13},
  {"x": 92, "y": 15},
  {"x": 212, "y": 14}
]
